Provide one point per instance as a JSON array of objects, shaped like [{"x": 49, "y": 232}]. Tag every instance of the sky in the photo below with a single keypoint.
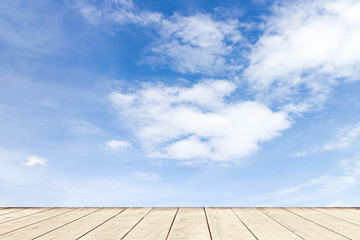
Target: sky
[{"x": 180, "y": 103}]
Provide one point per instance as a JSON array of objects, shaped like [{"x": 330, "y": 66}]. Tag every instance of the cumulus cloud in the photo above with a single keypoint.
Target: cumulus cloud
[
  {"x": 346, "y": 137},
  {"x": 306, "y": 46},
  {"x": 303, "y": 50},
  {"x": 34, "y": 160},
  {"x": 197, "y": 123},
  {"x": 117, "y": 145}
]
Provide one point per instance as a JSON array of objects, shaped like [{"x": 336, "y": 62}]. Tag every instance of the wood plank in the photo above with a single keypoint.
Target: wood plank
[
  {"x": 262, "y": 226},
  {"x": 340, "y": 226},
  {"x": 225, "y": 225},
  {"x": 48, "y": 225},
  {"x": 82, "y": 226},
  {"x": 190, "y": 223},
  {"x": 20, "y": 214},
  {"x": 353, "y": 210},
  {"x": 31, "y": 219},
  {"x": 117, "y": 227},
  {"x": 339, "y": 213},
  {"x": 301, "y": 226},
  {"x": 4, "y": 211},
  {"x": 154, "y": 226}
]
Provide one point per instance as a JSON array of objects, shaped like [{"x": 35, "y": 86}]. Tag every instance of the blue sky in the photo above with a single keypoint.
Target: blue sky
[{"x": 179, "y": 103}]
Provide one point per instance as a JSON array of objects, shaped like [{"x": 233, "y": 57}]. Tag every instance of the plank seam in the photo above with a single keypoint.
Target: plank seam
[
  {"x": 334, "y": 216},
  {"x": 136, "y": 224},
  {"x": 280, "y": 224},
  {"x": 172, "y": 223},
  {"x": 36, "y": 222},
  {"x": 67, "y": 223},
  {"x": 244, "y": 224},
  {"x": 16, "y": 210},
  {"x": 207, "y": 222},
  {"x": 317, "y": 223},
  {"x": 101, "y": 223},
  {"x": 27, "y": 215},
  {"x": 347, "y": 210}
]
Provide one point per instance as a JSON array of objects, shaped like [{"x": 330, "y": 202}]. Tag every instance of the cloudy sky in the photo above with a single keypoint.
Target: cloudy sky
[{"x": 180, "y": 103}]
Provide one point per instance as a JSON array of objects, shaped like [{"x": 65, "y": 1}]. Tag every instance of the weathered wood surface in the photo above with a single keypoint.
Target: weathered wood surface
[{"x": 180, "y": 223}]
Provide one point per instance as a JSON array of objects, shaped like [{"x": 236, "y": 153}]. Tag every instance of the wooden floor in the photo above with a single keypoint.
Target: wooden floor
[{"x": 180, "y": 223}]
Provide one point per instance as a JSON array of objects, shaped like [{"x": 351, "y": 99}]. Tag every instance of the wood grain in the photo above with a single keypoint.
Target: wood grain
[
  {"x": 180, "y": 223},
  {"x": 225, "y": 225},
  {"x": 117, "y": 227},
  {"x": 262, "y": 226},
  {"x": 335, "y": 224},
  {"x": 190, "y": 223},
  {"x": 154, "y": 226},
  {"x": 301, "y": 226},
  {"x": 4, "y": 211},
  {"x": 31, "y": 219},
  {"x": 83, "y": 225},
  {"x": 339, "y": 213},
  {"x": 20, "y": 214},
  {"x": 38, "y": 229}
]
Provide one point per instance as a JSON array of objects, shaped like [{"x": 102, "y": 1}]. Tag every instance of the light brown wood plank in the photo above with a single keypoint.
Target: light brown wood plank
[
  {"x": 82, "y": 226},
  {"x": 31, "y": 219},
  {"x": 225, "y": 225},
  {"x": 4, "y": 211},
  {"x": 190, "y": 223},
  {"x": 20, "y": 214},
  {"x": 154, "y": 226},
  {"x": 336, "y": 212},
  {"x": 117, "y": 227},
  {"x": 48, "y": 225},
  {"x": 353, "y": 210},
  {"x": 342, "y": 227},
  {"x": 301, "y": 226},
  {"x": 262, "y": 226}
]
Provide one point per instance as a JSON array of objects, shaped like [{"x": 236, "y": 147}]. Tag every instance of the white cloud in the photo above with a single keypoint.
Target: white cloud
[
  {"x": 197, "y": 124},
  {"x": 25, "y": 32},
  {"x": 117, "y": 145},
  {"x": 340, "y": 182},
  {"x": 346, "y": 137},
  {"x": 115, "y": 13},
  {"x": 306, "y": 47},
  {"x": 82, "y": 127},
  {"x": 188, "y": 44},
  {"x": 146, "y": 176},
  {"x": 34, "y": 160},
  {"x": 198, "y": 44}
]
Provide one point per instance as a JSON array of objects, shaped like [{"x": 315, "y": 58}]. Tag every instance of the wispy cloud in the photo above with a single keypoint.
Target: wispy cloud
[
  {"x": 117, "y": 145},
  {"x": 34, "y": 160},
  {"x": 346, "y": 137},
  {"x": 344, "y": 177},
  {"x": 198, "y": 44},
  {"x": 114, "y": 13},
  {"x": 82, "y": 127},
  {"x": 146, "y": 176},
  {"x": 196, "y": 124},
  {"x": 188, "y": 44},
  {"x": 25, "y": 32}
]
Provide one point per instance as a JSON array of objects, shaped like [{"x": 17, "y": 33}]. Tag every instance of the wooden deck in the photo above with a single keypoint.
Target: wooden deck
[{"x": 180, "y": 223}]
